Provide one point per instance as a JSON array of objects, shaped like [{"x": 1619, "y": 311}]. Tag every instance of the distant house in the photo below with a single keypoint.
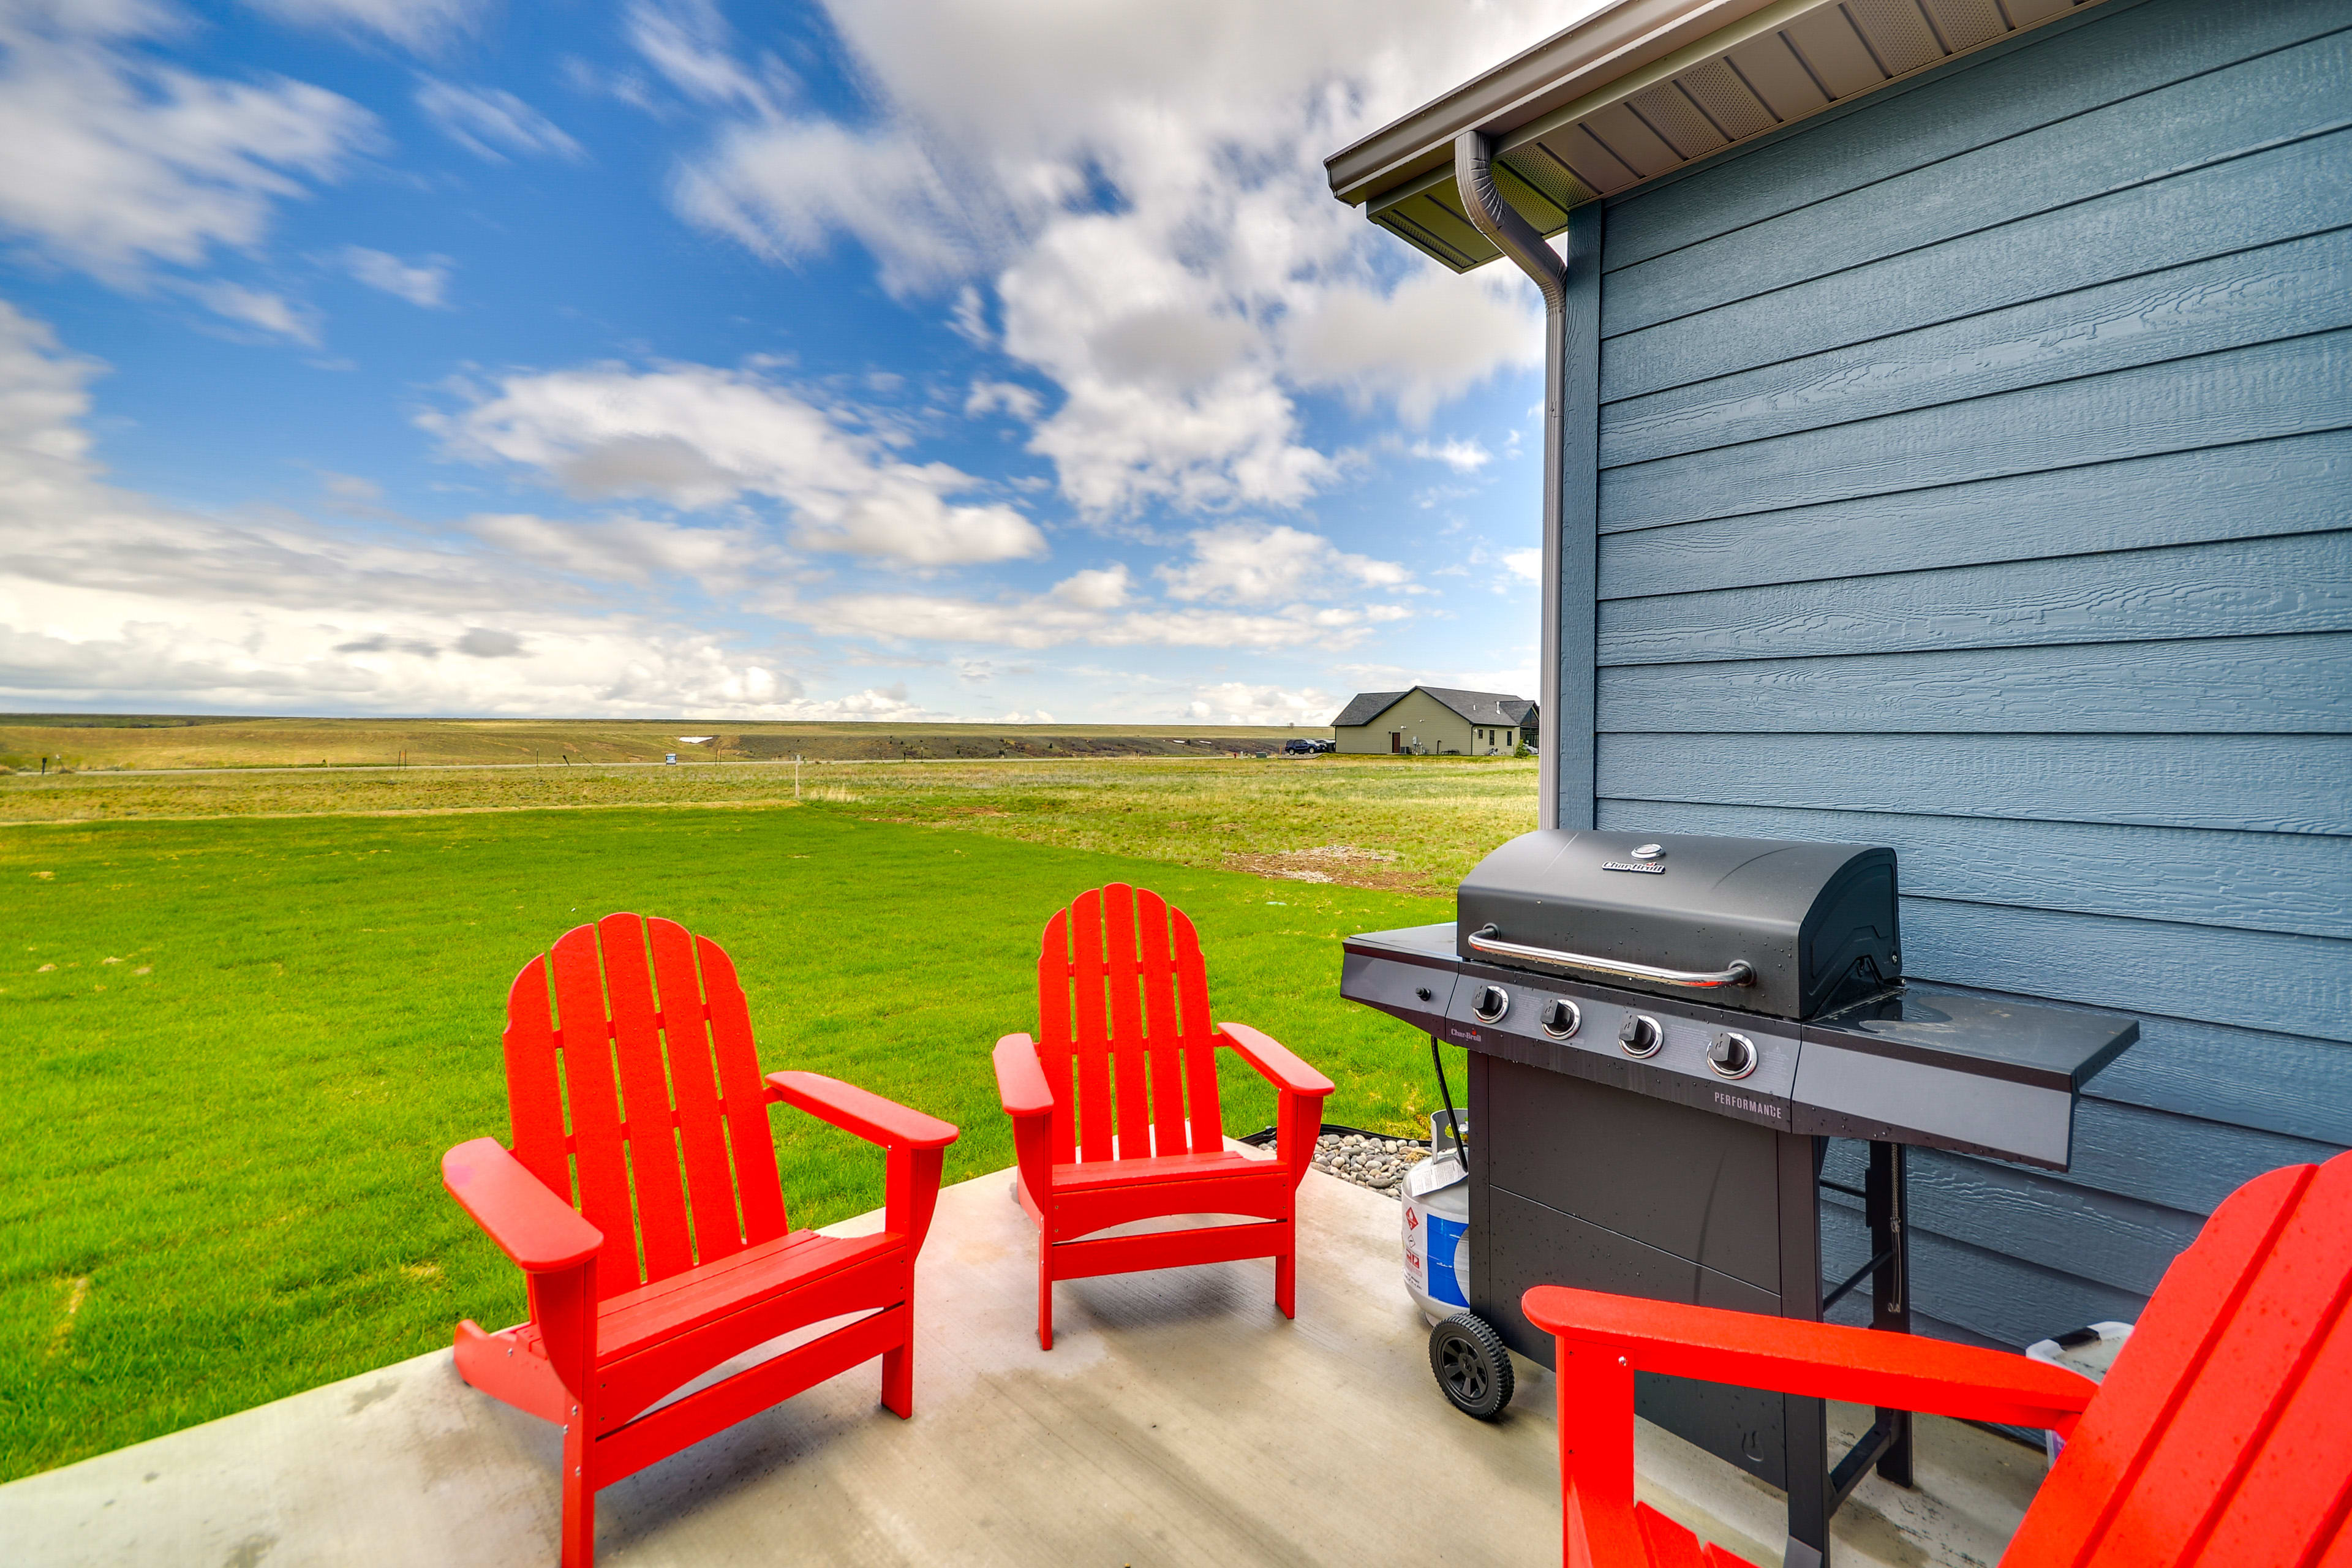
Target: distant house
[{"x": 1435, "y": 721}]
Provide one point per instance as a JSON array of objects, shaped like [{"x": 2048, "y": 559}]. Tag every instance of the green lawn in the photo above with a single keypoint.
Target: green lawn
[{"x": 239, "y": 1047}]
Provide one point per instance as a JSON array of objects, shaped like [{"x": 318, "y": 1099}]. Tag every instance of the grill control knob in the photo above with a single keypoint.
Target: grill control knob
[
  {"x": 1560, "y": 1018},
  {"x": 1732, "y": 1056},
  {"x": 1492, "y": 1004},
  {"x": 1640, "y": 1035}
]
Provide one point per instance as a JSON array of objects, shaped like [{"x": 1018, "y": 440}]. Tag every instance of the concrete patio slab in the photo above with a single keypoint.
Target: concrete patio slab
[{"x": 1178, "y": 1420}]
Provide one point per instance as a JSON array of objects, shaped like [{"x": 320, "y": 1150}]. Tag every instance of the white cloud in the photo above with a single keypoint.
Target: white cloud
[
  {"x": 272, "y": 313},
  {"x": 630, "y": 548},
  {"x": 969, "y": 318},
  {"x": 414, "y": 23},
  {"x": 697, "y": 437},
  {"x": 1464, "y": 457},
  {"x": 1248, "y": 563},
  {"x": 1140, "y": 184},
  {"x": 491, "y": 122},
  {"x": 424, "y": 284},
  {"x": 111, "y": 164},
  {"x": 110, "y": 600},
  {"x": 1524, "y": 564},
  {"x": 687, "y": 41},
  {"x": 989, "y": 396},
  {"x": 1433, "y": 337},
  {"x": 1094, "y": 607},
  {"x": 1238, "y": 702}
]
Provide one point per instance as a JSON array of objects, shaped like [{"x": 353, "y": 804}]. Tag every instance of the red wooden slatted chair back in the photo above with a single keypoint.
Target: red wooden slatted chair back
[
  {"x": 639, "y": 1098},
  {"x": 2223, "y": 1433},
  {"x": 1123, "y": 1029}
]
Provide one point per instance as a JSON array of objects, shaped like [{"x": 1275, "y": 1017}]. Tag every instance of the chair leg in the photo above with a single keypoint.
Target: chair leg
[
  {"x": 1286, "y": 1281},
  {"x": 898, "y": 1368},
  {"x": 578, "y": 1496},
  {"x": 1044, "y": 1294}
]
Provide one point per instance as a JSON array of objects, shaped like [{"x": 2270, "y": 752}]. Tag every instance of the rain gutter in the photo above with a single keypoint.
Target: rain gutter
[{"x": 1474, "y": 156}]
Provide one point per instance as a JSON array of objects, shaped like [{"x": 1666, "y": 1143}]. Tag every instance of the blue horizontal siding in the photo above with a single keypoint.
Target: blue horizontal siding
[
  {"x": 2286, "y": 685},
  {"x": 2194, "y": 497},
  {"x": 2127, "y": 51},
  {"x": 2220, "y": 114},
  {"x": 2250, "y": 297},
  {"x": 2287, "y": 388},
  {"x": 2236, "y": 588},
  {"x": 1977, "y": 479},
  {"x": 2264, "y": 198},
  {"x": 2251, "y": 881},
  {"x": 2263, "y": 783}
]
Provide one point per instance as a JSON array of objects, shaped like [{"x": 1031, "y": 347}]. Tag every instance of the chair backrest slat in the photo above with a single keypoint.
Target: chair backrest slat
[
  {"x": 1090, "y": 1026},
  {"x": 754, "y": 1142},
  {"x": 534, "y": 1084},
  {"x": 2297, "y": 1487},
  {"x": 1197, "y": 1034},
  {"x": 1162, "y": 1039},
  {"x": 1122, "y": 977},
  {"x": 1056, "y": 1052},
  {"x": 1123, "y": 1008},
  {"x": 585, "y": 1032},
  {"x": 2166, "y": 1457},
  {"x": 658, "y": 1134},
  {"x": 645, "y": 1097},
  {"x": 694, "y": 1084}
]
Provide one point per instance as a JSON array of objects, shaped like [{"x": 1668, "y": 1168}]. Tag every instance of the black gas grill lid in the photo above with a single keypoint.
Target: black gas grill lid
[{"x": 1766, "y": 925}]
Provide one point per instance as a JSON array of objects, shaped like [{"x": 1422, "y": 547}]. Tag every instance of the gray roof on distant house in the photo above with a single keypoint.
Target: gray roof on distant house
[
  {"x": 1477, "y": 707},
  {"x": 1366, "y": 707}
]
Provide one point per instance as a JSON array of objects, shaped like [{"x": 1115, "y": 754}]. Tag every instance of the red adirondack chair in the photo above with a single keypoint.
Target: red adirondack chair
[
  {"x": 2221, "y": 1436},
  {"x": 631, "y": 1298},
  {"x": 1123, "y": 1006}
]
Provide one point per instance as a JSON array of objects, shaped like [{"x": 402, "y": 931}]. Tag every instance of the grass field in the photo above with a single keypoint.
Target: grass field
[{"x": 241, "y": 1043}]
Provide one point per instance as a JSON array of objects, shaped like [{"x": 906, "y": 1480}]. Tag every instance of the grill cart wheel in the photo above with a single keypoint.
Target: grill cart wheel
[{"x": 1471, "y": 1365}]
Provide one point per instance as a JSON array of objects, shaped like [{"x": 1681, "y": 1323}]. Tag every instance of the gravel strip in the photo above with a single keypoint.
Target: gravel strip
[{"x": 1379, "y": 1163}]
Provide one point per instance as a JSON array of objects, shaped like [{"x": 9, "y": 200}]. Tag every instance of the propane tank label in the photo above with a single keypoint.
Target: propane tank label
[{"x": 1446, "y": 1253}]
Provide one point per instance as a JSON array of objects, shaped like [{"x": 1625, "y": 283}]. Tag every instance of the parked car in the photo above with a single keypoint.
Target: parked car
[{"x": 1306, "y": 748}]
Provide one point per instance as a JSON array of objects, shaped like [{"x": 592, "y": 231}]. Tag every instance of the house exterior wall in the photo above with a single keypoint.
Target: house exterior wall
[
  {"x": 1975, "y": 478},
  {"x": 1422, "y": 718}
]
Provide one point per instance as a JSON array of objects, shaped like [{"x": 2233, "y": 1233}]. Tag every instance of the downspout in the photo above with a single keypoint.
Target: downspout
[{"x": 1474, "y": 156}]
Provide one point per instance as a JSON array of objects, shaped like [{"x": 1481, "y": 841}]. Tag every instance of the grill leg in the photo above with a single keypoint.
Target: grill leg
[
  {"x": 1890, "y": 1284},
  {"x": 1810, "y": 1502}
]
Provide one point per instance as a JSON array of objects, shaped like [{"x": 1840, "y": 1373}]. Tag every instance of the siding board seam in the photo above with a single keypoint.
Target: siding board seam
[
  {"x": 2312, "y": 133},
  {"x": 1930, "y": 323},
  {"x": 2086, "y": 553},
  {"x": 1719, "y": 665},
  {"x": 1946, "y": 815},
  {"x": 2140, "y": 367}
]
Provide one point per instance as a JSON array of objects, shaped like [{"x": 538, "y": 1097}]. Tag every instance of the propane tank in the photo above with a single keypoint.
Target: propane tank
[{"x": 1436, "y": 1225}]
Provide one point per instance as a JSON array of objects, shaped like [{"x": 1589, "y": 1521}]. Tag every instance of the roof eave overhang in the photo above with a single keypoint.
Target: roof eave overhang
[
  {"x": 1615, "y": 41},
  {"x": 1642, "y": 89}
]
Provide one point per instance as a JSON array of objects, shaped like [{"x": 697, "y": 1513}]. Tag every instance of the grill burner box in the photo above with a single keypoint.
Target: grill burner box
[{"x": 1664, "y": 1032}]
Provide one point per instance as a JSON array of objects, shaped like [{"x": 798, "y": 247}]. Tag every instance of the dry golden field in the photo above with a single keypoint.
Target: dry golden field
[
  {"x": 84, "y": 742},
  {"x": 1402, "y": 824}
]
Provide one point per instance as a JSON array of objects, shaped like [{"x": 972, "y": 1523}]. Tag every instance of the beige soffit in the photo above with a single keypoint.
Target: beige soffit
[{"x": 1642, "y": 87}]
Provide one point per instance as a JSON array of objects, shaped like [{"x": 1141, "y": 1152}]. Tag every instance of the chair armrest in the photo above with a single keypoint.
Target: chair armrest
[
  {"x": 1826, "y": 1361},
  {"x": 540, "y": 1231},
  {"x": 1273, "y": 1060},
  {"x": 854, "y": 1110},
  {"x": 1019, "y": 1081}
]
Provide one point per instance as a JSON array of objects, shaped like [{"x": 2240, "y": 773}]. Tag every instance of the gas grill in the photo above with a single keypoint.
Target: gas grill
[{"x": 1664, "y": 1032}]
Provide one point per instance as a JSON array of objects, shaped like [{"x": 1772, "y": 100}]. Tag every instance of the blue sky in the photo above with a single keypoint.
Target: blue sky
[{"x": 896, "y": 359}]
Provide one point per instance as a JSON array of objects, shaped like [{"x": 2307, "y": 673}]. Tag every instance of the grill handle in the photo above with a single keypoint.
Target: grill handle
[{"x": 1483, "y": 939}]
